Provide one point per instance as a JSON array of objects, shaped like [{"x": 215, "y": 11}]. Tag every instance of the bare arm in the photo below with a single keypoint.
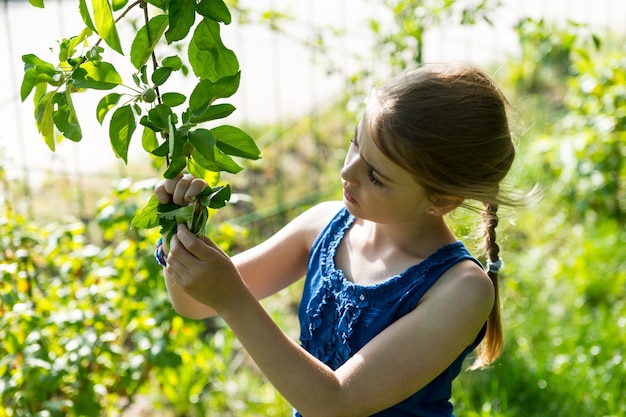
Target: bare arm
[
  {"x": 282, "y": 259},
  {"x": 399, "y": 361},
  {"x": 266, "y": 268}
]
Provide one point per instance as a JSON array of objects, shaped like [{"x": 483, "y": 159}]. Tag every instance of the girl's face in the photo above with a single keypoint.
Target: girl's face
[{"x": 375, "y": 187}]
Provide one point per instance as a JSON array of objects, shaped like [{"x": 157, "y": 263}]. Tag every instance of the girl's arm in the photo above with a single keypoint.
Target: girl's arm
[
  {"x": 268, "y": 267},
  {"x": 398, "y": 362}
]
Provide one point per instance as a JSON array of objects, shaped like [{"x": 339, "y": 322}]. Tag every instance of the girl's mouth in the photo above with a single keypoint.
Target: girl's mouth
[{"x": 349, "y": 197}]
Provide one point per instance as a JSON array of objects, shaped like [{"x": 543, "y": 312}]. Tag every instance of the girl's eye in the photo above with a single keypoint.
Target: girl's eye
[{"x": 372, "y": 178}]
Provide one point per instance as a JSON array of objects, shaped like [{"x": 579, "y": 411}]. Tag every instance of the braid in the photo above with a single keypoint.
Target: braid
[
  {"x": 490, "y": 217},
  {"x": 494, "y": 337}
]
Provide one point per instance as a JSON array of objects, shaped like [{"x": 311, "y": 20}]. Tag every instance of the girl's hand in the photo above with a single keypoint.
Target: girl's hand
[
  {"x": 203, "y": 270},
  {"x": 181, "y": 190}
]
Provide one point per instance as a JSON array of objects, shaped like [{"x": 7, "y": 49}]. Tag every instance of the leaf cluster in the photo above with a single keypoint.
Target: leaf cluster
[
  {"x": 582, "y": 75},
  {"x": 166, "y": 132},
  {"x": 194, "y": 215},
  {"x": 87, "y": 328}
]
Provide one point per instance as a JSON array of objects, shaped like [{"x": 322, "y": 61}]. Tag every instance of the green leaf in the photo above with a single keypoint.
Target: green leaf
[
  {"x": 208, "y": 56},
  {"x": 162, "y": 150},
  {"x": 65, "y": 117},
  {"x": 144, "y": 74},
  {"x": 105, "y": 104},
  {"x": 170, "y": 215},
  {"x": 159, "y": 116},
  {"x": 216, "y": 111},
  {"x": 146, "y": 40},
  {"x": 43, "y": 118},
  {"x": 40, "y": 90},
  {"x": 28, "y": 83},
  {"x": 214, "y": 9},
  {"x": 176, "y": 167},
  {"x": 174, "y": 62},
  {"x": 93, "y": 54},
  {"x": 105, "y": 24},
  {"x": 226, "y": 163},
  {"x": 181, "y": 214},
  {"x": 84, "y": 14},
  {"x": 121, "y": 130},
  {"x": 197, "y": 224},
  {"x": 97, "y": 75},
  {"x": 67, "y": 48},
  {"x": 177, "y": 146},
  {"x": 119, "y": 4},
  {"x": 234, "y": 141},
  {"x": 161, "y": 75},
  {"x": 207, "y": 91},
  {"x": 182, "y": 15},
  {"x": 195, "y": 169},
  {"x": 31, "y": 60},
  {"x": 149, "y": 140},
  {"x": 173, "y": 99},
  {"x": 37, "y": 3},
  {"x": 168, "y": 227},
  {"x": 216, "y": 197},
  {"x": 147, "y": 217},
  {"x": 204, "y": 142},
  {"x": 219, "y": 162},
  {"x": 597, "y": 42},
  {"x": 180, "y": 147},
  {"x": 37, "y": 71},
  {"x": 145, "y": 121}
]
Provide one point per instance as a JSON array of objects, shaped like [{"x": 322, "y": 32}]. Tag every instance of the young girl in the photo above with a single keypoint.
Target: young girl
[{"x": 392, "y": 302}]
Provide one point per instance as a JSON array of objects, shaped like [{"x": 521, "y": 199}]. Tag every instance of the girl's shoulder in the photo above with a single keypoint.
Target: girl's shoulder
[
  {"x": 304, "y": 229},
  {"x": 326, "y": 210},
  {"x": 316, "y": 218}
]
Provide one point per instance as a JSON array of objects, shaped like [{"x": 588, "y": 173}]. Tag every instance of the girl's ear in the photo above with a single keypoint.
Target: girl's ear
[{"x": 444, "y": 204}]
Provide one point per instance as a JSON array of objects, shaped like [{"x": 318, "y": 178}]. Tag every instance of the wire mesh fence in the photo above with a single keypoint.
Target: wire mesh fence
[{"x": 284, "y": 79}]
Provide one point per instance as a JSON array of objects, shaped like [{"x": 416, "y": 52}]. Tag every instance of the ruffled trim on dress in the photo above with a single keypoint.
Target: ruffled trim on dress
[{"x": 332, "y": 326}]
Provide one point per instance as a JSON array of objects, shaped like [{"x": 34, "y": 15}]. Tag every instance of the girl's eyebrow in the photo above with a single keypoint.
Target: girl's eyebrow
[{"x": 380, "y": 174}]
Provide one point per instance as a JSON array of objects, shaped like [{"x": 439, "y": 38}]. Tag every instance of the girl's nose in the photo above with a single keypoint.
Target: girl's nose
[{"x": 348, "y": 172}]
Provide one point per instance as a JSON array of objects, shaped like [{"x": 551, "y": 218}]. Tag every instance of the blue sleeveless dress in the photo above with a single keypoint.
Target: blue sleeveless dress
[{"x": 338, "y": 317}]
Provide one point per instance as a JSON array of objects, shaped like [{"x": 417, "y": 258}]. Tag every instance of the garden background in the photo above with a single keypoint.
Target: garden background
[{"x": 85, "y": 325}]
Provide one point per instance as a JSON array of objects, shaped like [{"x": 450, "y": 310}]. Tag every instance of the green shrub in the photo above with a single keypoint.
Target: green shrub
[
  {"x": 87, "y": 327},
  {"x": 564, "y": 306}
]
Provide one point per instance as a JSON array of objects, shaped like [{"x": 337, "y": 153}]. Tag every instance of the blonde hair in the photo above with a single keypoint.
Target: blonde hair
[{"x": 448, "y": 126}]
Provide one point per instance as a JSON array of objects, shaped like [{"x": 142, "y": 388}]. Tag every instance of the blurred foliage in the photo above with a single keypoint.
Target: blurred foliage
[
  {"x": 402, "y": 43},
  {"x": 584, "y": 147},
  {"x": 87, "y": 328},
  {"x": 564, "y": 299}
]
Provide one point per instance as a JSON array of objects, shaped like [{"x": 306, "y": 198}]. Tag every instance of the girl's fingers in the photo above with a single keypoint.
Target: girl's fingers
[
  {"x": 170, "y": 184},
  {"x": 181, "y": 190},
  {"x": 179, "y": 193},
  {"x": 195, "y": 187},
  {"x": 179, "y": 248},
  {"x": 161, "y": 195},
  {"x": 199, "y": 249},
  {"x": 213, "y": 245},
  {"x": 165, "y": 188},
  {"x": 175, "y": 276}
]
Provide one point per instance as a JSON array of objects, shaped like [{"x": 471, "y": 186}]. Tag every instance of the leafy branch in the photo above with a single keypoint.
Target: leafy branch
[{"x": 175, "y": 136}]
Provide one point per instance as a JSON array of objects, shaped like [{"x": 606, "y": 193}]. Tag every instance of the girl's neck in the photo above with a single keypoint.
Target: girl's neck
[
  {"x": 372, "y": 252},
  {"x": 419, "y": 239}
]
